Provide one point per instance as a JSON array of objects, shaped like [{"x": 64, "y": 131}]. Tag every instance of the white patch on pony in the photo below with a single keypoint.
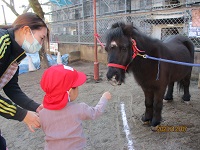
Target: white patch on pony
[{"x": 113, "y": 43}]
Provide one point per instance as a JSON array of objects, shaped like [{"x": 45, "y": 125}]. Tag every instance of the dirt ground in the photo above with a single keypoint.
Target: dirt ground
[{"x": 119, "y": 128}]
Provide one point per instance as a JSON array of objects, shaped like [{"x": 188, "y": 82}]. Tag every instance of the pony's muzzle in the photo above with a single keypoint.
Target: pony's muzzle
[{"x": 113, "y": 81}]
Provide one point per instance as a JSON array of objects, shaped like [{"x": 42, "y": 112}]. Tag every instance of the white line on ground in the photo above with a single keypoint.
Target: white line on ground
[{"x": 126, "y": 127}]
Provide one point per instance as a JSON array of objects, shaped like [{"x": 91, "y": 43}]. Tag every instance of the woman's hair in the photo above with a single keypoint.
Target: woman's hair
[{"x": 28, "y": 19}]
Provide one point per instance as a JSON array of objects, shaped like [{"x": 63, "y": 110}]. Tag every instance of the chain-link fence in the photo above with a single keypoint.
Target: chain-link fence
[{"x": 158, "y": 24}]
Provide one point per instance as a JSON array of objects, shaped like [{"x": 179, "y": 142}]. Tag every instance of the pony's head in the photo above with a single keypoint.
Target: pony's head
[{"x": 119, "y": 49}]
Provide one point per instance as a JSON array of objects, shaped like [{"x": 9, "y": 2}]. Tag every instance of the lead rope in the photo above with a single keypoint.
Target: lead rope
[
  {"x": 128, "y": 64},
  {"x": 158, "y": 73}
]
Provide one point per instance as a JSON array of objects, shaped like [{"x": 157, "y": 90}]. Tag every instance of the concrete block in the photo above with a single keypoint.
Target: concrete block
[{"x": 74, "y": 56}]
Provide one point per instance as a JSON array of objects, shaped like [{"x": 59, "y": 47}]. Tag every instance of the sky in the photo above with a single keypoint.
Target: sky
[{"x": 10, "y": 16}]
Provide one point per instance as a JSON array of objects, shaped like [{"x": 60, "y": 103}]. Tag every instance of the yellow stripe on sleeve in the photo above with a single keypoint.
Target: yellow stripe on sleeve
[
  {"x": 3, "y": 47},
  {"x": 8, "y": 105},
  {"x": 4, "y": 42},
  {"x": 4, "y": 50},
  {"x": 7, "y": 108},
  {"x": 3, "y": 37},
  {"x": 5, "y": 112}
]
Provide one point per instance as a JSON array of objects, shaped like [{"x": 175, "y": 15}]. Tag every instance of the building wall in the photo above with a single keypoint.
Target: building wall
[{"x": 86, "y": 52}]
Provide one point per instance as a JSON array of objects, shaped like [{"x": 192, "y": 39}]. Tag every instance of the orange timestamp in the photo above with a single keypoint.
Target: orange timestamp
[{"x": 171, "y": 128}]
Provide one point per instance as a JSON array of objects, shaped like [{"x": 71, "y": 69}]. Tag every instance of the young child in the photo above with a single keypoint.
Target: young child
[{"x": 61, "y": 118}]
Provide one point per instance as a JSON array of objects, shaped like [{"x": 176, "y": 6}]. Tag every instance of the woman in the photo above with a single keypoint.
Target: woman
[{"x": 25, "y": 35}]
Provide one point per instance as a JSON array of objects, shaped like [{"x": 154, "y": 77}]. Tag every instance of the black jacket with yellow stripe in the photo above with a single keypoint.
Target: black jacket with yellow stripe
[{"x": 10, "y": 51}]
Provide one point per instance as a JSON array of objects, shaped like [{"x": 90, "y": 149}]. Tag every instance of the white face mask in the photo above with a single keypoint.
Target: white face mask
[{"x": 31, "y": 48}]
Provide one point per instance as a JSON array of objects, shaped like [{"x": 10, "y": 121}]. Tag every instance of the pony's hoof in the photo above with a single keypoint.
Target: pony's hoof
[
  {"x": 167, "y": 101},
  {"x": 146, "y": 123},
  {"x": 154, "y": 129},
  {"x": 168, "y": 98},
  {"x": 187, "y": 102}
]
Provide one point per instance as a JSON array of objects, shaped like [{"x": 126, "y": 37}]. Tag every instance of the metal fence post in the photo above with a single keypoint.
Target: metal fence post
[
  {"x": 96, "y": 63},
  {"x": 199, "y": 82},
  {"x": 4, "y": 15}
]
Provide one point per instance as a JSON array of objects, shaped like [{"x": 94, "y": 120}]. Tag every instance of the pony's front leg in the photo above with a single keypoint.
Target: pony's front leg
[
  {"x": 157, "y": 107},
  {"x": 158, "y": 104},
  {"x": 148, "y": 115}
]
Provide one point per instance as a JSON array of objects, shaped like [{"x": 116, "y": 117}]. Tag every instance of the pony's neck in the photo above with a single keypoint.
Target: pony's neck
[{"x": 143, "y": 42}]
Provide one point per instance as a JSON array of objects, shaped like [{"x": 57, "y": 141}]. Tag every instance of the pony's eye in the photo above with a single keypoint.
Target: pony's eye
[{"x": 112, "y": 47}]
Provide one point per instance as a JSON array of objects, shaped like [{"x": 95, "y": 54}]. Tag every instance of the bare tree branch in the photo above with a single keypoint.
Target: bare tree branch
[
  {"x": 12, "y": 3},
  {"x": 11, "y": 7},
  {"x": 27, "y": 8},
  {"x": 35, "y": 5}
]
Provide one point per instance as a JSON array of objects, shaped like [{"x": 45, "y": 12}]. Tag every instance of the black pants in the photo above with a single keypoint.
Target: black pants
[{"x": 2, "y": 142}]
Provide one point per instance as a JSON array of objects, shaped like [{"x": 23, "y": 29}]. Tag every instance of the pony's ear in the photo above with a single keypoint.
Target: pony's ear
[
  {"x": 118, "y": 24},
  {"x": 128, "y": 29}
]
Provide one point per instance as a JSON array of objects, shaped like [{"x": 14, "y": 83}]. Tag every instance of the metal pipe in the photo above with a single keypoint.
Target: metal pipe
[
  {"x": 125, "y": 6},
  {"x": 4, "y": 15},
  {"x": 96, "y": 64}
]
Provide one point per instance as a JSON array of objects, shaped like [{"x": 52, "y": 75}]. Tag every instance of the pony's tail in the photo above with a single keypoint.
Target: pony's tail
[
  {"x": 190, "y": 47},
  {"x": 180, "y": 85},
  {"x": 185, "y": 81}
]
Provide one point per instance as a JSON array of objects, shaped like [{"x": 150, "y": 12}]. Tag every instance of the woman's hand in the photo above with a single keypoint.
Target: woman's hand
[
  {"x": 32, "y": 120},
  {"x": 39, "y": 108}
]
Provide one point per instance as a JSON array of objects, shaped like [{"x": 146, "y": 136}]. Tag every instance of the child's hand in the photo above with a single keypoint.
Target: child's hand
[{"x": 107, "y": 95}]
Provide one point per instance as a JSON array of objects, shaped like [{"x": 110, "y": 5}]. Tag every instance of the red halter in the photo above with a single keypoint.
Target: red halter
[{"x": 135, "y": 53}]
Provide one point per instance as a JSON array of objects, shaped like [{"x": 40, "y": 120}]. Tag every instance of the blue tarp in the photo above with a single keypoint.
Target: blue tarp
[
  {"x": 24, "y": 67},
  {"x": 61, "y": 2}
]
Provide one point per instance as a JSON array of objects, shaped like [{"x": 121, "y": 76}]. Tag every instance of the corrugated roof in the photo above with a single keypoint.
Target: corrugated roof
[{"x": 61, "y": 2}]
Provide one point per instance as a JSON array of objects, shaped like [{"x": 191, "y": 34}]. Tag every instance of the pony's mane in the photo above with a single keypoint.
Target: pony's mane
[
  {"x": 120, "y": 29},
  {"x": 114, "y": 33},
  {"x": 117, "y": 30},
  {"x": 118, "y": 24}
]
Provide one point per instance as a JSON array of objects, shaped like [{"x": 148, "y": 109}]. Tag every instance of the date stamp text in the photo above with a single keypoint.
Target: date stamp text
[{"x": 171, "y": 128}]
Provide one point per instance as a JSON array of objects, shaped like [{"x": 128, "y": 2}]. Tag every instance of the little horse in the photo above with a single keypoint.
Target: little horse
[{"x": 125, "y": 45}]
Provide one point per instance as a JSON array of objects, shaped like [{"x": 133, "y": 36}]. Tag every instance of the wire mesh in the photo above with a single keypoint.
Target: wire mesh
[{"x": 74, "y": 24}]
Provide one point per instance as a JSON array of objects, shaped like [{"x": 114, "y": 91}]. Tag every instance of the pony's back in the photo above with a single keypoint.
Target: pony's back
[{"x": 182, "y": 39}]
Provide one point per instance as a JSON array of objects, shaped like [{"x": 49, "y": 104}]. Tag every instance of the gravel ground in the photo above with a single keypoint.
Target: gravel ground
[{"x": 119, "y": 128}]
